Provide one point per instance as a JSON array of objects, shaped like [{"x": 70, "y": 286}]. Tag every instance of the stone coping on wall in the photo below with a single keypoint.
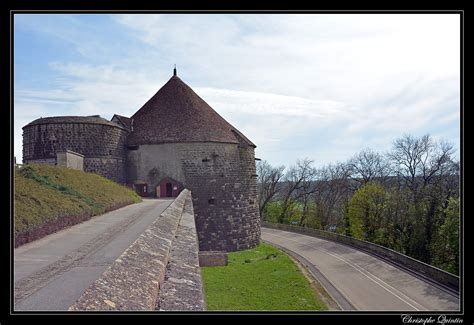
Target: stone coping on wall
[
  {"x": 73, "y": 120},
  {"x": 182, "y": 288},
  {"x": 428, "y": 272},
  {"x": 133, "y": 281}
]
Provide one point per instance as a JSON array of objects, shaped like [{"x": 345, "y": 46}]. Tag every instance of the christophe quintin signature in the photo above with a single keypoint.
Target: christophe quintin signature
[{"x": 441, "y": 319}]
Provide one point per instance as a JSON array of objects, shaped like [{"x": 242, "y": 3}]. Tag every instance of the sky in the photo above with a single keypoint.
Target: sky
[{"x": 317, "y": 86}]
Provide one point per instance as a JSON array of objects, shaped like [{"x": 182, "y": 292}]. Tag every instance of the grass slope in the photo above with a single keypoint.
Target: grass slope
[
  {"x": 262, "y": 278},
  {"x": 44, "y": 194}
]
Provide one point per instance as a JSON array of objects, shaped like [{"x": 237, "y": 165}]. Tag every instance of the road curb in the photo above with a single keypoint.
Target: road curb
[{"x": 342, "y": 302}]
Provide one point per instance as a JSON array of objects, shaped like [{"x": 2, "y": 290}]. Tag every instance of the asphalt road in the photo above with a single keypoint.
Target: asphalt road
[
  {"x": 53, "y": 272},
  {"x": 364, "y": 281}
]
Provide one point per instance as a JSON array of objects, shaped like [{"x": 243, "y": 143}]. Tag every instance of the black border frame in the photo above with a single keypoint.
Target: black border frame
[{"x": 69, "y": 7}]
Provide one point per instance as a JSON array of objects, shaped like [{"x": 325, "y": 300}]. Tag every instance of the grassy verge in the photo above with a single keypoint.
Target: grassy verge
[
  {"x": 46, "y": 196},
  {"x": 262, "y": 278}
]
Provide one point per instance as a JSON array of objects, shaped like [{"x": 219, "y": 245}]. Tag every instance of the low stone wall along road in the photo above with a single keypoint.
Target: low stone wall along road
[
  {"x": 366, "y": 282},
  {"x": 53, "y": 272}
]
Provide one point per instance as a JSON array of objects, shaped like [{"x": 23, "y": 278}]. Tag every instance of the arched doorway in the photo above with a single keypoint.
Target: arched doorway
[{"x": 169, "y": 188}]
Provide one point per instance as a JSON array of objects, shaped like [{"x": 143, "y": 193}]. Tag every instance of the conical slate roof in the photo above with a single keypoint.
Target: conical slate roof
[{"x": 177, "y": 114}]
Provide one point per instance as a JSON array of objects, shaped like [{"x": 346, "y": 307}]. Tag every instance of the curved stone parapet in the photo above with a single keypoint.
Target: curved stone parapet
[{"x": 428, "y": 272}]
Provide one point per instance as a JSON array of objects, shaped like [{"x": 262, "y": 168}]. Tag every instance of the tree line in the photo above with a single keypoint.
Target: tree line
[{"x": 406, "y": 199}]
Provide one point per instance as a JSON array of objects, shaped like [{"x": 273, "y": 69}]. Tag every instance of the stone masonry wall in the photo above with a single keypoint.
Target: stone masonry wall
[
  {"x": 111, "y": 168},
  {"x": 222, "y": 179},
  {"x": 102, "y": 145}
]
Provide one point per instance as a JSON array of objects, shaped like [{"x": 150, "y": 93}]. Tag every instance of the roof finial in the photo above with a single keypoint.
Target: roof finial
[{"x": 174, "y": 70}]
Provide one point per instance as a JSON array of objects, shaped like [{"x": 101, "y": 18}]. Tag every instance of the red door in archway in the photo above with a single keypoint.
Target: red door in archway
[
  {"x": 169, "y": 187},
  {"x": 169, "y": 190}
]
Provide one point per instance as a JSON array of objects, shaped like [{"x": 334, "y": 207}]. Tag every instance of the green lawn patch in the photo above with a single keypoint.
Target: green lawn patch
[
  {"x": 47, "y": 196},
  {"x": 262, "y": 278}
]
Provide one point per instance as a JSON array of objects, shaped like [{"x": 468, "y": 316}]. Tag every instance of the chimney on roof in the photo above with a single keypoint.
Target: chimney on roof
[{"x": 174, "y": 70}]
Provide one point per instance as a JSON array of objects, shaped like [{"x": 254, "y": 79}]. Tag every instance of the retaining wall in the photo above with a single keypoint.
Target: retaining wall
[{"x": 425, "y": 270}]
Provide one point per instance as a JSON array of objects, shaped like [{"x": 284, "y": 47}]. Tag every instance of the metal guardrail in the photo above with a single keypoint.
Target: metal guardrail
[{"x": 429, "y": 272}]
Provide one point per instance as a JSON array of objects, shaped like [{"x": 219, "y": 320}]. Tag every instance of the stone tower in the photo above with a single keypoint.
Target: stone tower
[
  {"x": 102, "y": 143},
  {"x": 177, "y": 135}
]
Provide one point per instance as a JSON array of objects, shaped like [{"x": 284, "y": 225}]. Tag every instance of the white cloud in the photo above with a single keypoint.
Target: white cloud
[
  {"x": 254, "y": 103},
  {"x": 332, "y": 83},
  {"x": 339, "y": 56}
]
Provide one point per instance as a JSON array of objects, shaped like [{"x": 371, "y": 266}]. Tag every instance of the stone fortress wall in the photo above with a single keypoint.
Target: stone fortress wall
[
  {"x": 100, "y": 141},
  {"x": 221, "y": 177}
]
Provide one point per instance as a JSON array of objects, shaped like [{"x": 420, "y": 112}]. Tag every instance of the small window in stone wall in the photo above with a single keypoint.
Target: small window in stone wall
[{"x": 212, "y": 201}]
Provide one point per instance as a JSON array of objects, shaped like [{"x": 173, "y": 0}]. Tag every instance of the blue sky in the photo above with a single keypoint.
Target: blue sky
[{"x": 319, "y": 86}]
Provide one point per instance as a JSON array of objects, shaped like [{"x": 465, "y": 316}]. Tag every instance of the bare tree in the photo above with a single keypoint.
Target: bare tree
[
  {"x": 419, "y": 160},
  {"x": 426, "y": 167},
  {"x": 438, "y": 162},
  {"x": 368, "y": 166},
  {"x": 332, "y": 193},
  {"x": 268, "y": 182},
  {"x": 297, "y": 179},
  {"x": 304, "y": 194}
]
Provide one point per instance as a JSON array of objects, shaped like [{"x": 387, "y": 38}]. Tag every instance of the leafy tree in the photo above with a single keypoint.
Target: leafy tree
[
  {"x": 272, "y": 211},
  {"x": 398, "y": 219},
  {"x": 365, "y": 212},
  {"x": 445, "y": 247},
  {"x": 312, "y": 220}
]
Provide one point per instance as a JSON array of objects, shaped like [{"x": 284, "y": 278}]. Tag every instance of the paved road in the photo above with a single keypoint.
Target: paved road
[
  {"x": 365, "y": 281},
  {"x": 53, "y": 272}
]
